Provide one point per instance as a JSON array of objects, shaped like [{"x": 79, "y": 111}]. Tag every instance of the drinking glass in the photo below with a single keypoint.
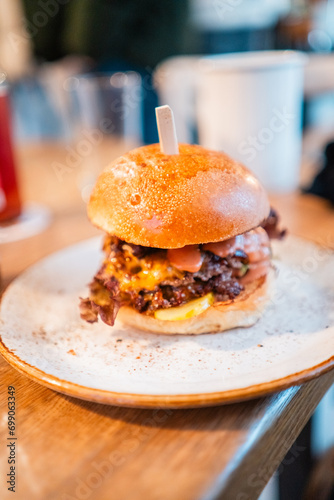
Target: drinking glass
[
  {"x": 17, "y": 221},
  {"x": 105, "y": 121},
  {"x": 10, "y": 203}
]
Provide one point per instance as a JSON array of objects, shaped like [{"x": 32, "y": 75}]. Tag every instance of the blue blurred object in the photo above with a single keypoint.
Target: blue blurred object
[
  {"x": 150, "y": 97},
  {"x": 34, "y": 115}
]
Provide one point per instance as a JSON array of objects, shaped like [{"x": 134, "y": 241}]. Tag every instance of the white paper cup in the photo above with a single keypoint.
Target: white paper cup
[{"x": 250, "y": 106}]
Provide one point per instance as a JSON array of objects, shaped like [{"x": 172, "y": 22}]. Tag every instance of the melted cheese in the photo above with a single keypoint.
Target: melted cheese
[
  {"x": 100, "y": 296},
  {"x": 139, "y": 274}
]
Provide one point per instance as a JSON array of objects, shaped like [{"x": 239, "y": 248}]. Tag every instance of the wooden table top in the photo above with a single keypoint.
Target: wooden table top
[{"x": 72, "y": 449}]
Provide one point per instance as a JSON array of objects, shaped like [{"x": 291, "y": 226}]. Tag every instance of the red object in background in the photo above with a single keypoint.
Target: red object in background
[{"x": 10, "y": 204}]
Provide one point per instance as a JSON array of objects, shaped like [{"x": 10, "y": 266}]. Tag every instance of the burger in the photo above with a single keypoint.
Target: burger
[{"x": 187, "y": 245}]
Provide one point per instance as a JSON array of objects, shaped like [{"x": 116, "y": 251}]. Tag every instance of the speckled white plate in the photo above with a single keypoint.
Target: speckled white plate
[{"x": 44, "y": 337}]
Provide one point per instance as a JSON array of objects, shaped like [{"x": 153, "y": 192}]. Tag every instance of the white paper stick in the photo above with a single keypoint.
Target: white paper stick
[{"x": 166, "y": 130}]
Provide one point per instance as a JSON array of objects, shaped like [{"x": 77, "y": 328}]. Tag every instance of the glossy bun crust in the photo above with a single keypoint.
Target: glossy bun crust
[
  {"x": 168, "y": 201},
  {"x": 244, "y": 311}
]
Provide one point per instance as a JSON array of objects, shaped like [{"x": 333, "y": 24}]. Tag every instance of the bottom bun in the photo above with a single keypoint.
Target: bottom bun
[{"x": 243, "y": 311}]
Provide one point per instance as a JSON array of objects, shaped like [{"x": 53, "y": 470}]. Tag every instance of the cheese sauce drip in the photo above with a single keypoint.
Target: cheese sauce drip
[{"x": 145, "y": 273}]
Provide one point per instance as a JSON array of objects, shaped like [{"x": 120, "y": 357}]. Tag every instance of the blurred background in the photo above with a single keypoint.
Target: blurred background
[
  {"x": 82, "y": 79},
  {"x": 52, "y": 50},
  {"x": 44, "y": 42}
]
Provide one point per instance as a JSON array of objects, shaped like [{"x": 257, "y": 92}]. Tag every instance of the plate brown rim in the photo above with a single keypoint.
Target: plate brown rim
[{"x": 162, "y": 401}]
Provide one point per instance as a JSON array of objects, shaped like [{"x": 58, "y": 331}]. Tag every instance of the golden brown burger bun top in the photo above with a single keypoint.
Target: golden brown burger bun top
[{"x": 152, "y": 199}]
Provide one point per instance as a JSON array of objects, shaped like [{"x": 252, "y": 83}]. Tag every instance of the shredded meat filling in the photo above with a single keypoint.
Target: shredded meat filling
[
  {"x": 124, "y": 276},
  {"x": 217, "y": 275}
]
